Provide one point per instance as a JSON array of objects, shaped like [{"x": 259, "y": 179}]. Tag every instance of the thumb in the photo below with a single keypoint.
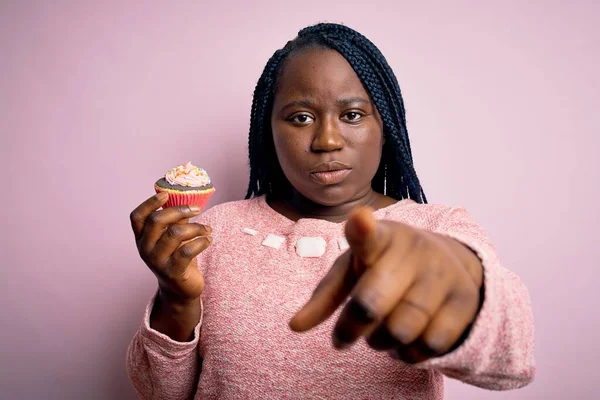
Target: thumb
[{"x": 367, "y": 237}]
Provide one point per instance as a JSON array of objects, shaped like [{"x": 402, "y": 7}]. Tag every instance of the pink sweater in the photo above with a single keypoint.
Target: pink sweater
[{"x": 252, "y": 291}]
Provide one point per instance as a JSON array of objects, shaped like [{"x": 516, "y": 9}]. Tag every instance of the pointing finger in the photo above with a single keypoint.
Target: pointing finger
[{"x": 367, "y": 237}]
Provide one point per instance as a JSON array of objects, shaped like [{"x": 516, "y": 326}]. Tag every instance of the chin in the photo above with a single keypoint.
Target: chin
[{"x": 330, "y": 196}]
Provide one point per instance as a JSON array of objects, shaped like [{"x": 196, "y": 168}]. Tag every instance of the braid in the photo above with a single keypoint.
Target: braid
[
  {"x": 396, "y": 175},
  {"x": 260, "y": 140}
]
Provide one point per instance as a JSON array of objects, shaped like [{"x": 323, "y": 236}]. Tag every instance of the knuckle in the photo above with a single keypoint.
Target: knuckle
[
  {"x": 184, "y": 209},
  {"x": 417, "y": 241},
  {"x": 186, "y": 251},
  {"x": 154, "y": 219},
  {"x": 465, "y": 295},
  {"x": 468, "y": 300},
  {"x": 174, "y": 232},
  {"x": 437, "y": 271},
  {"x": 407, "y": 327},
  {"x": 135, "y": 216}
]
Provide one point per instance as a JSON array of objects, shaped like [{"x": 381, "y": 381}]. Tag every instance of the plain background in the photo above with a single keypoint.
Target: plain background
[{"x": 98, "y": 99}]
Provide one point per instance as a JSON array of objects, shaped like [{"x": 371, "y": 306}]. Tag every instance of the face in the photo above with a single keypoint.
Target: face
[{"x": 327, "y": 133}]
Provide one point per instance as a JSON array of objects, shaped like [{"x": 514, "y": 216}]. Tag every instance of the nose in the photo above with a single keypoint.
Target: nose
[{"x": 327, "y": 136}]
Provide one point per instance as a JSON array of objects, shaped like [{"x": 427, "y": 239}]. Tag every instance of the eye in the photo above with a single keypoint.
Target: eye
[
  {"x": 301, "y": 119},
  {"x": 353, "y": 116}
]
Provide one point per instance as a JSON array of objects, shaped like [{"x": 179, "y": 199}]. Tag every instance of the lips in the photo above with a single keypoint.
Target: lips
[{"x": 330, "y": 173}]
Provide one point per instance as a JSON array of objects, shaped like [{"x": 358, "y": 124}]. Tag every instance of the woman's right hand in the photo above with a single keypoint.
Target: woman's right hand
[{"x": 168, "y": 243}]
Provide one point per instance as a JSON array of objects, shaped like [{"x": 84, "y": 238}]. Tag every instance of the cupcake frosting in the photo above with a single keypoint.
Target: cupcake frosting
[{"x": 187, "y": 175}]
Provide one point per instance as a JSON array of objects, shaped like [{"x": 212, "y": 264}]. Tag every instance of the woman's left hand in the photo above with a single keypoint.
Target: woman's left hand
[{"x": 412, "y": 292}]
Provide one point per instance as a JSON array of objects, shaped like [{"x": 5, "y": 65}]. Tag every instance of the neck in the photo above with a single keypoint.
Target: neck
[{"x": 299, "y": 207}]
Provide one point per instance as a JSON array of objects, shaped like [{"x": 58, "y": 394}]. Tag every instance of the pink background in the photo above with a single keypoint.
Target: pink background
[{"x": 98, "y": 99}]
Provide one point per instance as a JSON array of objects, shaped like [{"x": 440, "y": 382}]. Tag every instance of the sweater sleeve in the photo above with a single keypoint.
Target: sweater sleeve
[
  {"x": 498, "y": 353},
  {"x": 158, "y": 366}
]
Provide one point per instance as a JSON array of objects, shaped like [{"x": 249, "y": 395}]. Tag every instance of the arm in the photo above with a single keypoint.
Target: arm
[
  {"x": 160, "y": 367},
  {"x": 498, "y": 353},
  {"x": 162, "y": 359},
  {"x": 414, "y": 293}
]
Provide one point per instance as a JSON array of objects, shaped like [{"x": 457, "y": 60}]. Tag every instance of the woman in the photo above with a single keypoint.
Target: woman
[{"x": 334, "y": 203}]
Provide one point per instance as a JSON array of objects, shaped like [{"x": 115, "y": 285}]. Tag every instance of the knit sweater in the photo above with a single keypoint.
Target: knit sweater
[{"x": 244, "y": 349}]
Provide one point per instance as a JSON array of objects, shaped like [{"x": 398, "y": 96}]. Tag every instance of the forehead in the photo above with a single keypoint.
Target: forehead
[{"x": 319, "y": 73}]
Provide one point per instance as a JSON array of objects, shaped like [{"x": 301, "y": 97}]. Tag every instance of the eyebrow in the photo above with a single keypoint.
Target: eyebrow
[
  {"x": 341, "y": 102},
  {"x": 353, "y": 100},
  {"x": 302, "y": 103}
]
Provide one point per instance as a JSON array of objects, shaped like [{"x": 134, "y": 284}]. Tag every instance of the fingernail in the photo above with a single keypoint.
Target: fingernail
[
  {"x": 162, "y": 196},
  {"x": 341, "y": 338},
  {"x": 195, "y": 209},
  {"x": 437, "y": 343},
  {"x": 401, "y": 335},
  {"x": 359, "y": 313}
]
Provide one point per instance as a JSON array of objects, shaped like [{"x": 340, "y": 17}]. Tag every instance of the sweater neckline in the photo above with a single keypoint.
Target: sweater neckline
[{"x": 379, "y": 214}]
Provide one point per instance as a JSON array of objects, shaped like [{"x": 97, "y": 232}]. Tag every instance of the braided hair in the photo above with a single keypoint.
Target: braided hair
[{"x": 396, "y": 176}]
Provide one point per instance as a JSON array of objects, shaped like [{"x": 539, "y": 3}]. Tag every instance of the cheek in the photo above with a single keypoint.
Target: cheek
[
  {"x": 368, "y": 143},
  {"x": 368, "y": 148},
  {"x": 290, "y": 146}
]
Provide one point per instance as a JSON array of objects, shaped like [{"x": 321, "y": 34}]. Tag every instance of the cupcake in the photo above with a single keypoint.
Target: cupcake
[{"x": 186, "y": 184}]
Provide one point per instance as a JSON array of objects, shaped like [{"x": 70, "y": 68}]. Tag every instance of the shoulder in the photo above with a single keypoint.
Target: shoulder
[
  {"x": 430, "y": 216},
  {"x": 228, "y": 210},
  {"x": 233, "y": 206}
]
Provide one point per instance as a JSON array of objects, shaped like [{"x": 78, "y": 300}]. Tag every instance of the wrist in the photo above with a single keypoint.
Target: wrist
[
  {"x": 468, "y": 258},
  {"x": 175, "y": 318},
  {"x": 176, "y": 304}
]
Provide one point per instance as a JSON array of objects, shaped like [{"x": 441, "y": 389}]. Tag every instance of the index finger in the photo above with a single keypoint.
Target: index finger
[
  {"x": 139, "y": 216},
  {"x": 368, "y": 238}
]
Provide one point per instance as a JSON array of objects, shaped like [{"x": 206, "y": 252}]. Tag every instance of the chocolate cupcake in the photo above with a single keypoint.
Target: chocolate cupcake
[{"x": 186, "y": 184}]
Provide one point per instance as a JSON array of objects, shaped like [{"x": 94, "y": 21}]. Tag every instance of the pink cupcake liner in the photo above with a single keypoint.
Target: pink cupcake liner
[{"x": 183, "y": 198}]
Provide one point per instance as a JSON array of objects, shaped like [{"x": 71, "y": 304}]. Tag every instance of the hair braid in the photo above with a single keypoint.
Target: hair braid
[
  {"x": 382, "y": 97},
  {"x": 258, "y": 144}
]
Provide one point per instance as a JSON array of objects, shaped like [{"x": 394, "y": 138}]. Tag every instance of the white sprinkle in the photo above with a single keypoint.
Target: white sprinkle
[{"x": 273, "y": 241}]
